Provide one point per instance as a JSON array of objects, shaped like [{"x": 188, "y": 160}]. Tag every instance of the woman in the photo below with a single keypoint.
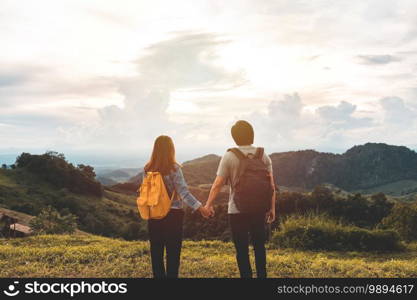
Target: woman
[{"x": 166, "y": 233}]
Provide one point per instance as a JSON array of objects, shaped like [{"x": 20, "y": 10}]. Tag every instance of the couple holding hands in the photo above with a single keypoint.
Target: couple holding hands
[{"x": 251, "y": 204}]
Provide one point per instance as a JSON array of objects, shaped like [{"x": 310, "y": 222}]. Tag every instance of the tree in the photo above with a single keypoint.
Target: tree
[
  {"x": 49, "y": 221},
  {"x": 53, "y": 168},
  {"x": 379, "y": 208},
  {"x": 323, "y": 197},
  {"x": 403, "y": 219},
  {"x": 87, "y": 170},
  {"x": 22, "y": 160},
  {"x": 4, "y": 166}
]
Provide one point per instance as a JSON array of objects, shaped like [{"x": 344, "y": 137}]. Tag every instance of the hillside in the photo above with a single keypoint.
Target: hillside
[
  {"x": 93, "y": 256},
  {"x": 366, "y": 168},
  {"x": 201, "y": 170},
  {"x": 111, "y": 214},
  {"x": 361, "y": 167}
]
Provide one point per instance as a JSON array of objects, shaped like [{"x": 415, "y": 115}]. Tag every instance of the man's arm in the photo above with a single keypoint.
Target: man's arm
[
  {"x": 271, "y": 214},
  {"x": 222, "y": 175},
  {"x": 214, "y": 191}
]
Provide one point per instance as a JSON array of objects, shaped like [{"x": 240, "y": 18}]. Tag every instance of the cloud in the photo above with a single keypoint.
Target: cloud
[
  {"x": 285, "y": 113},
  {"x": 341, "y": 116},
  {"x": 280, "y": 123},
  {"x": 288, "y": 123},
  {"x": 110, "y": 17},
  {"x": 397, "y": 113},
  {"x": 10, "y": 79},
  {"x": 186, "y": 62},
  {"x": 378, "y": 59},
  {"x": 16, "y": 76},
  {"x": 34, "y": 119},
  {"x": 31, "y": 84},
  {"x": 122, "y": 74}
]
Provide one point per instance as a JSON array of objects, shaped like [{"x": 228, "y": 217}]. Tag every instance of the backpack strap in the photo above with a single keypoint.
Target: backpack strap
[
  {"x": 141, "y": 181},
  {"x": 239, "y": 154},
  {"x": 173, "y": 193},
  {"x": 259, "y": 154},
  {"x": 243, "y": 160}
]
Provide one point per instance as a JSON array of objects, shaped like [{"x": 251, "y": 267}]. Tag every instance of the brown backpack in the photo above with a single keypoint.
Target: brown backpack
[{"x": 252, "y": 189}]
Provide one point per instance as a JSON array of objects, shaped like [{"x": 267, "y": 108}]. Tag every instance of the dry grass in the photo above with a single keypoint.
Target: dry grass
[{"x": 94, "y": 256}]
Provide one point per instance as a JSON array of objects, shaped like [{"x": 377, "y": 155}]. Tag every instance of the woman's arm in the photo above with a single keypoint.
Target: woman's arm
[{"x": 182, "y": 190}]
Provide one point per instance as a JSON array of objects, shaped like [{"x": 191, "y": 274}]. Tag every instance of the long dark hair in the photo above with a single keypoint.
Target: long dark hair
[{"x": 163, "y": 156}]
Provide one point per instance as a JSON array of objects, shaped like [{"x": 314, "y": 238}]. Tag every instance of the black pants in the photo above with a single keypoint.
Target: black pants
[
  {"x": 243, "y": 225},
  {"x": 166, "y": 234}
]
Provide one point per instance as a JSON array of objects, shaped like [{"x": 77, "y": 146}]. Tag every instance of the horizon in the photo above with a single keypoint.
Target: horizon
[{"x": 105, "y": 162}]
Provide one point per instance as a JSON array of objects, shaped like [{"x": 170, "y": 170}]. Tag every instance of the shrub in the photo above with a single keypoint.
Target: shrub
[
  {"x": 319, "y": 232},
  {"x": 402, "y": 219},
  {"x": 49, "y": 221},
  {"x": 134, "y": 231},
  {"x": 360, "y": 210}
]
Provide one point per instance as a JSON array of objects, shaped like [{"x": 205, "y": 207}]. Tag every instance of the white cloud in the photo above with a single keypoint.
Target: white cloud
[
  {"x": 185, "y": 62},
  {"x": 106, "y": 75},
  {"x": 378, "y": 59},
  {"x": 397, "y": 113},
  {"x": 341, "y": 116},
  {"x": 288, "y": 123}
]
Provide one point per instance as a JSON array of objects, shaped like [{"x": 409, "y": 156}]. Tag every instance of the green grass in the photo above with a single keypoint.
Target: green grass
[
  {"x": 94, "y": 256},
  {"x": 320, "y": 232},
  {"x": 5, "y": 180}
]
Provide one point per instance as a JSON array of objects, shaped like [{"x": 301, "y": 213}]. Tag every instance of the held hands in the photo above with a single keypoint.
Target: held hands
[
  {"x": 206, "y": 211},
  {"x": 210, "y": 209}
]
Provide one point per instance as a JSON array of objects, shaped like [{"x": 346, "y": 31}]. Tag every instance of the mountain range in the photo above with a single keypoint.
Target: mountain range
[{"x": 370, "y": 167}]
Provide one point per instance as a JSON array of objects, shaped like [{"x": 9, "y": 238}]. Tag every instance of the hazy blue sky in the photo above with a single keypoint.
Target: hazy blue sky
[{"x": 109, "y": 76}]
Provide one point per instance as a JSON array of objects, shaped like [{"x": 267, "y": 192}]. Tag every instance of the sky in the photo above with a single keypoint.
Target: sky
[{"x": 108, "y": 77}]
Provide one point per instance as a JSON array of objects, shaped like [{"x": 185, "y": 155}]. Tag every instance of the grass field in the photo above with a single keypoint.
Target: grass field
[{"x": 94, "y": 256}]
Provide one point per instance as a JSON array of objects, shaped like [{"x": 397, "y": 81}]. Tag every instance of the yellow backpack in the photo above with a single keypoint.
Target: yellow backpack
[{"x": 153, "y": 201}]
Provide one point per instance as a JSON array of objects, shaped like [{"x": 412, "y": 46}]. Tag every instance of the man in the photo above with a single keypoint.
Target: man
[{"x": 250, "y": 222}]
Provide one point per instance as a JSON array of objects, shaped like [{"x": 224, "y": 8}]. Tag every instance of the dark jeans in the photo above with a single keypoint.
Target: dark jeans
[
  {"x": 166, "y": 233},
  {"x": 243, "y": 225}
]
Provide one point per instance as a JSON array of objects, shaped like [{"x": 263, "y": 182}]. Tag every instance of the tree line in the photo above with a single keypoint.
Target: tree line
[{"x": 54, "y": 168}]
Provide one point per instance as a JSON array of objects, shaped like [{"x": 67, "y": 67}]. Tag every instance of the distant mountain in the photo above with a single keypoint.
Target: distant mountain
[
  {"x": 363, "y": 167},
  {"x": 201, "y": 170},
  {"x": 198, "y": 171},
  {"x": 114, "y": 176},
  {"x": 106, "y": 180}
]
